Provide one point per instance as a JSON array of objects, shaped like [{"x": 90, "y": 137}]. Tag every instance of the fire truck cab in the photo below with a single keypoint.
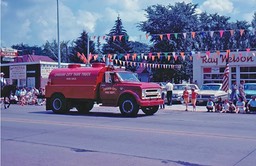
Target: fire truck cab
[{"x": 82, "y": 87}]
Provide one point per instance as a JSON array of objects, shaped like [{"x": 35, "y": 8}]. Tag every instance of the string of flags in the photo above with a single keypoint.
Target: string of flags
[
  {"x": 176, "y": 35},
  {"x": 127, "y": 62},
  {"x": 141, "y": 59}
]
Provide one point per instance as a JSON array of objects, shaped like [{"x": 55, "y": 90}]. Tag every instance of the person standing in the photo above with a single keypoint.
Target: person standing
[
  {"x": 186, "y": 97},
  {"x": 162, "y": 106},
  {"x": 193, "y": 98},
  {"x": 233, "y": 95},
  {"x": 3, "y": 80},
  {"x": 169, "y": 89},
  {"x": 241, "y": 90}
]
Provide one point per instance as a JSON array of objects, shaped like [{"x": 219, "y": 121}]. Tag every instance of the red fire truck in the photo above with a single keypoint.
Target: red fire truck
[{"x": 82, "y": 87}]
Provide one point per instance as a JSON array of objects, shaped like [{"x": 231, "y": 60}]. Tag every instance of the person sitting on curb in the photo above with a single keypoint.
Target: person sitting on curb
[
  {"x": 240, "y": 106},
  {"x": 232, "y": 107},
  {"x": 225, "y": 106},
  {"x": 251, "y": 105},
  {"x": 209, "y": 105},
  {"x": 218, "y": 105}
]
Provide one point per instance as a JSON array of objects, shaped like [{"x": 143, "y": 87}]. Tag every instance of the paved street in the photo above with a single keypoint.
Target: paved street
[{"x": 32, "y": 136}]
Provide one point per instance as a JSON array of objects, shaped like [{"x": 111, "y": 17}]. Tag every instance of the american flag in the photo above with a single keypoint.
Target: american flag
[{"x": 225, "y": 84}]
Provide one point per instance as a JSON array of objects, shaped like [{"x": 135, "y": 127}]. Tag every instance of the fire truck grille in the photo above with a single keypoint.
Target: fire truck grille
[{"x": 152, "y": 93}]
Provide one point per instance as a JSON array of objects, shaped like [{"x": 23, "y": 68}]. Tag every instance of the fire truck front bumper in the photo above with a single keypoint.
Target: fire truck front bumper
[{"x": 150, "y": 102}]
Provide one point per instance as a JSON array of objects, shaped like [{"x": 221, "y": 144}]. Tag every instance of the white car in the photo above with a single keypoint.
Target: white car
[
  {"x": 211, "y": 90},
  {"x": 178, "y": 89}
]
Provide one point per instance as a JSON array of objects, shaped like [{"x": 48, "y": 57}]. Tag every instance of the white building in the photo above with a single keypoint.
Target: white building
[{"x": 207, "y": 69}]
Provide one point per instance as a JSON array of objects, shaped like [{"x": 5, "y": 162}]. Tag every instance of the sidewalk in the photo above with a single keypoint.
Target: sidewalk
[{"x": 181, "y": 107}]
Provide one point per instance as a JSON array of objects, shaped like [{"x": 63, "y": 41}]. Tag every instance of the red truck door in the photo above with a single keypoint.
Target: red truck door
[{"x": 109, "y": 89}]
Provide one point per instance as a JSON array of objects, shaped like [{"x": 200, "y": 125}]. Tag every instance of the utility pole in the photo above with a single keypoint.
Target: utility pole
[
  {"x": 58, "y": 34},
  {"x": 88, "y": 45}
]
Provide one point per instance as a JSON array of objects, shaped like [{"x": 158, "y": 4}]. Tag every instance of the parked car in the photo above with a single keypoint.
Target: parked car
[
  {"x": 211, "y": 90},
  {"x": 178, "y": 91},
  {"x": 250, "y": 90}
]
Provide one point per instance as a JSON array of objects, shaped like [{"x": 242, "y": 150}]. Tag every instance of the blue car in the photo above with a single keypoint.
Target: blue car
[{"x": 250, "y": 90}]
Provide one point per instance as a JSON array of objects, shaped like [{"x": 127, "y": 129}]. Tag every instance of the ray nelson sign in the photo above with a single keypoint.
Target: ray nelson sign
[{"x": 231, "y": 59}]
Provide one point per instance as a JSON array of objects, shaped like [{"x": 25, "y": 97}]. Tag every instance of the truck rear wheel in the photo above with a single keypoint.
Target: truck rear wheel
[
  {"x": 150, "y": 110},
  {"x": 128, "y": 106},
  {"x": 59, "y": 104},
  {"x": 85, "y": 107}
]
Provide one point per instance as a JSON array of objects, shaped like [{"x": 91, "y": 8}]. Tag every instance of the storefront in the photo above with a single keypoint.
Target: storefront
[
  {"x": 29, "y": 74},
  {"x": 210, "y": 68}
]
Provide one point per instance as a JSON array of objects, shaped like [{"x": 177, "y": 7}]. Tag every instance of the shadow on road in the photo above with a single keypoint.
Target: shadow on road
[{"x": 93, "y": 114}]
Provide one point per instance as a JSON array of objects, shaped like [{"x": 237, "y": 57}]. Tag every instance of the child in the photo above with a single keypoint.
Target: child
[
  {"x": 209, "y": 105},
  {"x": 218, "y": 105},
  {"x": 232, "y": 107},
  {"x": 186, "y": 97},
  {"x": 193, "y": 98},
  {"x": 163, "y": 97},
  {"x": 225, "y": 107},
  {"x": 240, "y": 106}
]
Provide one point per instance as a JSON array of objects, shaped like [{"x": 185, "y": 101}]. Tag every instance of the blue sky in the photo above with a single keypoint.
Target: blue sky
[{"x": 33, "y": 22}]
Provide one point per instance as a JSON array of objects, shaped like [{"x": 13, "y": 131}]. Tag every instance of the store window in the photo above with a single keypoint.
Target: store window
[{"x": 248, "y": 74}]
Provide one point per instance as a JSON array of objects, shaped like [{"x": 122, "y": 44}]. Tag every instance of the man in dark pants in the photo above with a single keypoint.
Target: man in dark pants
[{"x": 169, "y": 89}]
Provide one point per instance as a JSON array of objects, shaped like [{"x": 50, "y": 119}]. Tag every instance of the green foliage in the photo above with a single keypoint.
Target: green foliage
[
  {"x": 24, "y": 49},
  {"x": 115, "y": 45},
  {"x": 51, "y": 49},
  {"x": 182, "y": 18},
  {"x": 80, "y": 45}
]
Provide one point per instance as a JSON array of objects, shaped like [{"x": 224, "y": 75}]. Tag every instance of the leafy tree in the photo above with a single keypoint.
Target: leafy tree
[
  {"x": 215, "y": 23},
  {"x": 138, "y": 47},
  {"x": 252, "y": 38},
  {"x": 170, "y": 19},
  {"x": 80, "y": 45},
  {"x": 51, "y": 49},
  {"x": 24, "y": 49}
]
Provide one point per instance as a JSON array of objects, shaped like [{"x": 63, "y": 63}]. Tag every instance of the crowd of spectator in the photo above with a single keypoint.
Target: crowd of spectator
[
  {"x": 28, "y": 96},
  {"x": 227, "y": 106}
]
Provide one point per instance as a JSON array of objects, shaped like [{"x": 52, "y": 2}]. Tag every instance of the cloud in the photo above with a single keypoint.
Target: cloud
[
  {"x": 35, "y": 21},
  {"x": 248, "y": 17},
  {"x": 222, "y": 7}
]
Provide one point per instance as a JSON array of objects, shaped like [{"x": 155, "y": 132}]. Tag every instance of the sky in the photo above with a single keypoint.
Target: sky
[{"x": 34, "y": 22}]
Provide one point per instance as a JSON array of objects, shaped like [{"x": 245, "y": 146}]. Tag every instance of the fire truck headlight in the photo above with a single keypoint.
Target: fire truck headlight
[
  {"x": 159, "y": 93},
  {"x": 143, "y": 95}
]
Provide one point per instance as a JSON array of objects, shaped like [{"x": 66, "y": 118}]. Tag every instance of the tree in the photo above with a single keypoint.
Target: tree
[
  {"x": 139, "y": 47},
  {"x": 181, "y": 17},
  {"x": 170, "y": 19},
  {"x": 212, "y": 23},
  {"x": 24, "y": 49},
  {"x": 80, "y": 46},
  {"x": 50, "y": 49},
  {"x": 252, "y": 38},
  {"x": 117, "y": 40}
]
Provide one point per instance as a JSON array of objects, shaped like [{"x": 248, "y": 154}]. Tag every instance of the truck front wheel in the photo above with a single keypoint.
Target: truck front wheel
[
  {"x": 150, "y": 110},
  {"x": 58, "y": 104},
  {"x": 128, "y": 106}
]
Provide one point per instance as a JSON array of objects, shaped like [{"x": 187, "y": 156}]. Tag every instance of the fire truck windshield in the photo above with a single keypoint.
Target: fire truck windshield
[{"x": 126, "y": 76}]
